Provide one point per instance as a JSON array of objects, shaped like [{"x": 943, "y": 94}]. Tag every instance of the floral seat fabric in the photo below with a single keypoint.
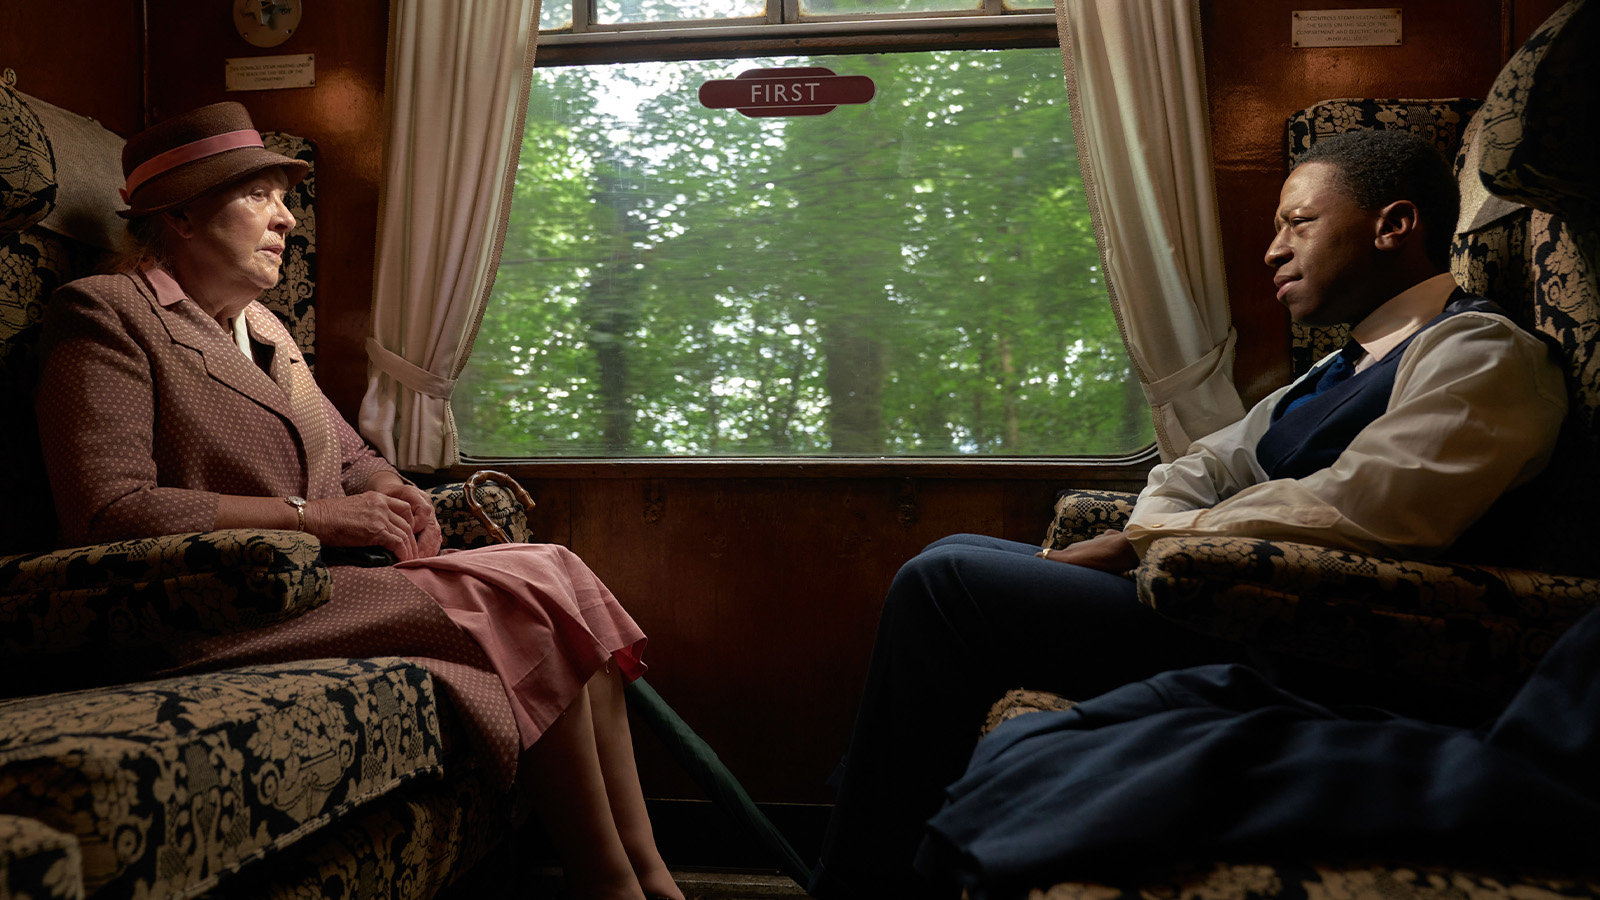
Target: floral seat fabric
[
  {"x": 27, "y": 165},
  {"x": 38, "y": 862},
  {"x": 1324, "y": 881},
  {"x": 167, "y": 786},
  {"x": 1476, "y": 629},
  {"x": 137, "y": 592},
  {"x": 140, "y": 591},
  {"x": 407, "y": 847}
]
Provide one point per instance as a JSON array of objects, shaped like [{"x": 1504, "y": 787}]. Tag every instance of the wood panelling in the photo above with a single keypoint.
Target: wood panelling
[
  {"x": 761, "y": 594},
  {"x": 1526, "y": 15},
  {"x": 81, "y": 55}
]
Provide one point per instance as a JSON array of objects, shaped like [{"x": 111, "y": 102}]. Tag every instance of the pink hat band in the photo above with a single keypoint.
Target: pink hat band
[{"x": 177, "y": 156}]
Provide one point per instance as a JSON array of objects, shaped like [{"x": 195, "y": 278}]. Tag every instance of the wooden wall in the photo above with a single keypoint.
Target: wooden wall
[
  {"x": 99, "y": 76},
  {"x": 759, "y": 585}
]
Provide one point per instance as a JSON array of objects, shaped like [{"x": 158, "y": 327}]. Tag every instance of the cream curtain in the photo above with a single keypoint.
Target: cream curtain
[
  {"x": 456, "y": 96},
  {"x": 1136, "y": 79}
]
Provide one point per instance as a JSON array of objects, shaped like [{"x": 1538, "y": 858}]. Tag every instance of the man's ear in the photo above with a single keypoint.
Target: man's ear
[{"x": 1397, "y": 224}]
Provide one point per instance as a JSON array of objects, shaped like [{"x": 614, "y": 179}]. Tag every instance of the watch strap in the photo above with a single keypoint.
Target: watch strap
[{"x": 299, "y": 505}]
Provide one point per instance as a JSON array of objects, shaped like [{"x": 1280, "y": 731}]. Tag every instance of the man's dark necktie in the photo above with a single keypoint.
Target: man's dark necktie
[{"x": 1342, "y": 367}]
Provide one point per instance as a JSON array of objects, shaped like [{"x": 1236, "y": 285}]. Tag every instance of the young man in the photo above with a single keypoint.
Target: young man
[{"x": 1396, "y": 445}]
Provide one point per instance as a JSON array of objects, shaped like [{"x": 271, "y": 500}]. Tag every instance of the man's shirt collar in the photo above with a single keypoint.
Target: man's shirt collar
[{"x": 1386, "y": 327}]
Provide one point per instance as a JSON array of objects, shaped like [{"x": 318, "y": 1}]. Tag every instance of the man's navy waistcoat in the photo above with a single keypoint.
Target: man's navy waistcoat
[{"x": 1311, "y": 436}]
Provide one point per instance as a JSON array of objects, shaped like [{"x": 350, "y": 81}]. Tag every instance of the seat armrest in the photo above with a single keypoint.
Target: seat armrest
[
  {"x": 1481, "y": 628},
  {"x": 1021, "y": 701},
  {"x": 140, "y": 592},
  {"x": 1083, "y": 514},
  {"x": 462, "y": 530}
]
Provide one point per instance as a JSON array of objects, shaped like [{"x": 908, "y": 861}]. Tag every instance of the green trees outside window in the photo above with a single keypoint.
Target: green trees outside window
[{"x": 916, "y": 276}]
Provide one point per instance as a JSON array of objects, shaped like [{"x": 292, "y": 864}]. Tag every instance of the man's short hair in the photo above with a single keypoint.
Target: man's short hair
[{"x": 1379, "y": 166}]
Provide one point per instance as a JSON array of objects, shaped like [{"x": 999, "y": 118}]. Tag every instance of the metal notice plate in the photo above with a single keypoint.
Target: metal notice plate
[
  {"x": 269, "y": 73},
  {"x": 1346, "y": 27}
]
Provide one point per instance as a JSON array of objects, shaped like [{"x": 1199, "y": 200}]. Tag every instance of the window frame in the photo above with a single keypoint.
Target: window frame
[
  {"x": 679, "y": 44},
  {"x": 1125, "y": 472},
  {"x": 786, "y": 18},
  {"x": 991, "y": 28},
  {"x": 784, "y": 31}
]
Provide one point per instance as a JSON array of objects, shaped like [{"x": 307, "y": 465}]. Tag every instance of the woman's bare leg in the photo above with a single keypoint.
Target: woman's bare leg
[
  {"x": 563, "y": 772},
  {"x": 614, "y": 742}
]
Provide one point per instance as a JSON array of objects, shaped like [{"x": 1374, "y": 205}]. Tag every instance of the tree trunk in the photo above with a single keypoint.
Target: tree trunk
[
  {"x": 856, "y": 367},
  {"x": 609, "y": 312}
]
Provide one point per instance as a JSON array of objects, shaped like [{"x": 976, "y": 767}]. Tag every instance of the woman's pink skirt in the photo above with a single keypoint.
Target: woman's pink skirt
[{"x": 544, "y": 621}]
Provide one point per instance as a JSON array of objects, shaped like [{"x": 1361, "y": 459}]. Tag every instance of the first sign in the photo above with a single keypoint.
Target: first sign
[{"x": 800, "y": 91}]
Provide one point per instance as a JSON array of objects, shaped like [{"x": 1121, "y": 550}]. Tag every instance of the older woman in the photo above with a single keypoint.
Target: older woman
[{"x": 171, "y": 401}]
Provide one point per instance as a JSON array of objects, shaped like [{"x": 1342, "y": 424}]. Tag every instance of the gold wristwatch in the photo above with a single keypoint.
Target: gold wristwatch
[{"x": 299, "y": 504}]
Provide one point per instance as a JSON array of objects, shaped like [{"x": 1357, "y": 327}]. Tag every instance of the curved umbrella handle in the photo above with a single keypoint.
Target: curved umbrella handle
[{"x": 496, "y": 533}]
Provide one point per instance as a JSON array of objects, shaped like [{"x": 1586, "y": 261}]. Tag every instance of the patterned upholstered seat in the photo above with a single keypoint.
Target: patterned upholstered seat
[
  {"x": 323, "y": 776},
  {"x": 1530, "y": 241}
]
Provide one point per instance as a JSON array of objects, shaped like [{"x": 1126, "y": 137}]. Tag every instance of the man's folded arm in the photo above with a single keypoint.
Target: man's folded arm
[{"x": 1476, "y": 408}]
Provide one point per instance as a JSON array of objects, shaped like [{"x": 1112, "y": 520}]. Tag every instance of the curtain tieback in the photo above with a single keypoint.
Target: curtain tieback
[
  {"x": 1217, "y": 362},
  {"x": 408, "y": 373}
]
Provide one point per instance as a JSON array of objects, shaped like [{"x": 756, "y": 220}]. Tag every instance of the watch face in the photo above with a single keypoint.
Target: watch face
[{"x": 266, "y": 23}]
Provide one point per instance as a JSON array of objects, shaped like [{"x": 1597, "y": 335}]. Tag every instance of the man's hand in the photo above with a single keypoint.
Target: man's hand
[{"x": 1109, "y": 552}]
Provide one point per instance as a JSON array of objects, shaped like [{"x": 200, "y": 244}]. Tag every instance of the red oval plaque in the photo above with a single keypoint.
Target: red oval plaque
[{"x": 800, "y": 91}]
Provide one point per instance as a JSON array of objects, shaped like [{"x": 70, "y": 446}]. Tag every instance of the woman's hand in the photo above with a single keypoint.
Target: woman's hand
[
  {"x": 368, "y": 519},
  {"x": 1110, "y": 551},
  {"x": 424, "y": 525}
]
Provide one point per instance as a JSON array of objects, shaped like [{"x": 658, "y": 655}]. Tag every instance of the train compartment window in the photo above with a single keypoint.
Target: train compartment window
[{"x": 914, "y": 276}]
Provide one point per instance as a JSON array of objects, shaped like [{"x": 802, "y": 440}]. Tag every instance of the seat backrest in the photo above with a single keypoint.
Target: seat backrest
[
  {"x": 59, "y": 174},
  {"x": 1530, "y": 223},
  {"x": 1528, "y": 239}
]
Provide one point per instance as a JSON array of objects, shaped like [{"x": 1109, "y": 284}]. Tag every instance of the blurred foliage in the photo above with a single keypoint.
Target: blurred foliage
[{"x": 913, "y": 276}]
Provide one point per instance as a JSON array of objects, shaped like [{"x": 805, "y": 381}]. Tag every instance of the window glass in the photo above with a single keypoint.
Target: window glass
[
  {"x": 912, "y": 276},
  {"x": 634, "y": 11},
  {"x": 853, "y": 7},
  {"x": 554, "y": 16}
]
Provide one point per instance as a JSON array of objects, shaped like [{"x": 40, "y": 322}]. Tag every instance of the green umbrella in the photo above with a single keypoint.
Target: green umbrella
[{"x": 701, "y": 762}]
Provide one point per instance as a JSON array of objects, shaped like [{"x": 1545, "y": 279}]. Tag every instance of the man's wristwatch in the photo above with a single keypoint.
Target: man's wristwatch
[{"x": 299, "y": 504}]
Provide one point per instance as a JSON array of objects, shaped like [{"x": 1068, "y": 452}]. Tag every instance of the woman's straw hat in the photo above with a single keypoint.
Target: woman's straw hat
[{"x": 175, "y": 161}]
